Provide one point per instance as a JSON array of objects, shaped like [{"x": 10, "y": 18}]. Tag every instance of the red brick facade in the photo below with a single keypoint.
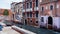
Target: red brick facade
[
  {"x": 55, "y": 11},
  {"x": 31, "y": 20},
  {"x": 50, "y": 8}
]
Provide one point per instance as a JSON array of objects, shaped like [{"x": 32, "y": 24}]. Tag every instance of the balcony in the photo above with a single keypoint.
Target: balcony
[
  {"x": 36, "y": 9},
  {"x": 23, "y": 10},
  {"x": 30, "y": 9}
]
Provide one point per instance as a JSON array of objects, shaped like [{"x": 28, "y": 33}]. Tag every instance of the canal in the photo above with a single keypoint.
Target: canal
[{"x": 37, "y": 30}]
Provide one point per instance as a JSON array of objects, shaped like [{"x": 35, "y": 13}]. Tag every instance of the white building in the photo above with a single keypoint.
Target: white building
[{"x": 17, "y": 11}]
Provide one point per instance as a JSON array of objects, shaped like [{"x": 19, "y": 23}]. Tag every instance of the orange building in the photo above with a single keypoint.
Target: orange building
[{"x": 8, "y": 17}]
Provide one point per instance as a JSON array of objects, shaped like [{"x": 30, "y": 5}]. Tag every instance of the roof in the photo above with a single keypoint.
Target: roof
[
  {"x": 19, "y": 3},
  {"x": 13, "y": 3},
  {"x": 48, "y": 1}
]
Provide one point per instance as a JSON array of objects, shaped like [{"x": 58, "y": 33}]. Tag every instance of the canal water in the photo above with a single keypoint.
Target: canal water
[{"x": 38, "y": 30}]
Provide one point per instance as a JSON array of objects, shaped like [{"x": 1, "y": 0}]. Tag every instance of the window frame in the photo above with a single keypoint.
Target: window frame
[
  {"x": 42, "y": 8},
  {"x": 51, "y": 7},
  {"x": 30, "y": 4},
  {"x": 30, "y": 14},
  {"x": 42, "y": 19},
  {"x": 36, "y": 13},
  {"x": 36, "y": 3}
]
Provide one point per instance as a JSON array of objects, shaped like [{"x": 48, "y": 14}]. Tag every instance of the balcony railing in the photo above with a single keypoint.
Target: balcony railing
[{"x": 30, "y": 9}]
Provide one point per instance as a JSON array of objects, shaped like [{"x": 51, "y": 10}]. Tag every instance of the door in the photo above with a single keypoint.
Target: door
[
  {"x": 50, "y": 22},
  {"x": 25, "y": 22}
]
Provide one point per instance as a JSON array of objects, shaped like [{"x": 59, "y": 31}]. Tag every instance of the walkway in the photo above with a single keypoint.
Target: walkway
[{"x": 8, "y": 30}]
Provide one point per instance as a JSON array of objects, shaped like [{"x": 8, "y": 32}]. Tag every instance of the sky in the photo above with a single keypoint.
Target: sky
[{"x": 6, "y": 4}]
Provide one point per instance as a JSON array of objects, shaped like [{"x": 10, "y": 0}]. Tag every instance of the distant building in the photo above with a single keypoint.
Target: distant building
[
  {"x": 13, "y": 10},
  {"x": 4, "y": 17},
  {"x": 17, "y": 11}
]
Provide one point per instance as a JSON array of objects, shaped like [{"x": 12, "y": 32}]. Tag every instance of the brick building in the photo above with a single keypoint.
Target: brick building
[
  {"x": 42, "y": 13},
  {"x": 30, "y": 12},
  {"x": 50, "y": 14}
]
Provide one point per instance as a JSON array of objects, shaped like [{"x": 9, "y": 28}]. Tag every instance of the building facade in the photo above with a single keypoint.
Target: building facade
[
  {"x": 4, "y": 17},
  {"x": 40, "y": 13},
  {"x": 30, "y": 12},
  {"x": 50, "y": 14},
  {"x": 17, "y": 11},
  {"x": 13, "y": 10}
]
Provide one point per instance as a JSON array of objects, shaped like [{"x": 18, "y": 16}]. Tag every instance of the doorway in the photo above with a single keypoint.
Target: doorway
[
  {"x": 25, "y": 22},
  {"x": 50, "y": 22}
]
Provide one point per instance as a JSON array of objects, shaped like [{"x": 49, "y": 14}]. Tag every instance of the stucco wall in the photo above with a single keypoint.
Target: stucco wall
[{"x": 56, "y": 21}]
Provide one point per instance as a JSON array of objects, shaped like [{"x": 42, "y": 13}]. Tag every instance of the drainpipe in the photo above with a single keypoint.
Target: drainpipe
[
  {"x": 25, "y": 10},
  {"x": 39, "y": 16}
]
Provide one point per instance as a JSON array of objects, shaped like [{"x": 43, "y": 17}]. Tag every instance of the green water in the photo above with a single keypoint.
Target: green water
[{"x": 39, "y": 30}]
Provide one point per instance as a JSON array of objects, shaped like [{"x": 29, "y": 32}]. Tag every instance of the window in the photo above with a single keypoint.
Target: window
[
  {"x": 40, "y": 0},
  {"x": 57, "y": 6},
  {"x": 27, "y": 5},
  {"x": 30, "y": 4},
  {"x": 27, "y": 14},
  {"x": 23, "y": 6},
  {"x": 31, "y": 21},
  {"x": 23, "y": 14},
  {"x": 36, "y": 13},
  {"x": 51, "y": 7},
  {"x": 42, "y": 19},
  {"x": 13, "y": 16},
  {"x": 18, "y": 11},
  {"x": 36, "y": 3},
  {"x": 42, "y": 8},
  {"x": 46, "y": 7},
  {"x": 30, "y": 14}
]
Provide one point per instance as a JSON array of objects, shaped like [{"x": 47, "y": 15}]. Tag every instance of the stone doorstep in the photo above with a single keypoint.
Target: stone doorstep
[
  {"x": 56, "y": 29},
  {"x": 22, "y": 31}
]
